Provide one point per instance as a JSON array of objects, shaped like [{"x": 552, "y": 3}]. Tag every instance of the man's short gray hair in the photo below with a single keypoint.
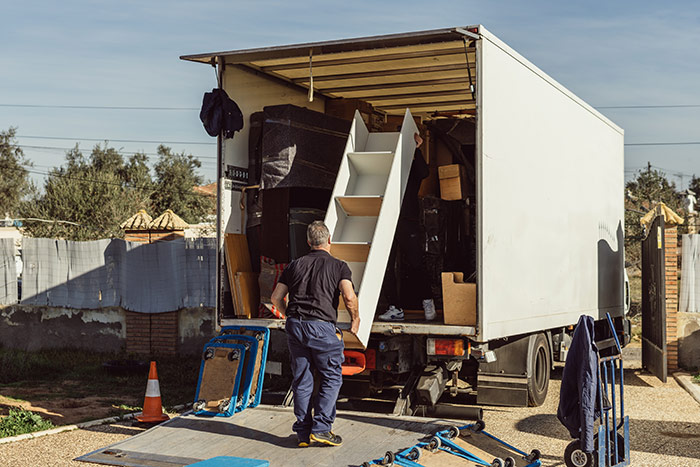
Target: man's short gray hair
[{"x": 317, "y": 233}]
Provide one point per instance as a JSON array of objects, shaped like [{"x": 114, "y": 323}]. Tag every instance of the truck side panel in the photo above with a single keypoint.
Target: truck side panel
[{"x": 550, "y": 201}]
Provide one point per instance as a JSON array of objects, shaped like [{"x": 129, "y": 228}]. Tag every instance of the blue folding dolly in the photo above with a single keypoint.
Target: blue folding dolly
[
  {"x": 262, "y": 335},
  {"x": 219, "y": 379},
  {"x": 251, "y": 345}
]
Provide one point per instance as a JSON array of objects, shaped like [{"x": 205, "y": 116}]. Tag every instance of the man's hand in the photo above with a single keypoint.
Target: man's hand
[
  {"x": 355, "y": 325},
  {"x": 418, "y": 139}
]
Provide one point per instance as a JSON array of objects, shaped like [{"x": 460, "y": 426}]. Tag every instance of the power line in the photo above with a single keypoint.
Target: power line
[
  {"x": 104, "y": 182},
  {"x": 93, "y": 107},
  {"x": 676, "y": 106},
  {"x": 668, "y": 143},
  {"x": 101, "y": 140},
  {"x": 23, "y": 146}
]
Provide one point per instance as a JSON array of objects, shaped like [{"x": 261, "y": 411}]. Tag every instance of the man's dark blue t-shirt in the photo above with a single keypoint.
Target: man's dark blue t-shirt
[{"x": 313, "y": 281}]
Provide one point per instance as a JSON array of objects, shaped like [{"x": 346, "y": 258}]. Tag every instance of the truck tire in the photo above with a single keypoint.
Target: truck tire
[{"x": 538, "y": 367}]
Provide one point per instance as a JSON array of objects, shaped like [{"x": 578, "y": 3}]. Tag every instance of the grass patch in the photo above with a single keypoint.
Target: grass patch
[
  {"x": 696, "y": 379},
  {"x": 21, "y": 421},
  {"x": 79, "y": 373}
]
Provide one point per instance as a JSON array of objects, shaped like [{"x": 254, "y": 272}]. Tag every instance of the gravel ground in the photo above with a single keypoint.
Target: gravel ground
[
  {"x": 664, "y": 422},
  {"x": 665, "y": 428},
  {"x": 60, "y": 449}
]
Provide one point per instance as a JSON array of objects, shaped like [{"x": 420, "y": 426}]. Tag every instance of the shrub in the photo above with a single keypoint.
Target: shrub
[{"x": 21, "y": 421}]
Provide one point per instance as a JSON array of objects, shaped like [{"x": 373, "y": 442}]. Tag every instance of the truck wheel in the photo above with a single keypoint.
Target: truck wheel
[{"x": 538, "y": 366}]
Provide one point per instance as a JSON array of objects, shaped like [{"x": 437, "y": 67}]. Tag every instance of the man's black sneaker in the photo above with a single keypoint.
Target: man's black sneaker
[
  {"x": 304, "y": 442},
  {"x": 327, "y": 438}
]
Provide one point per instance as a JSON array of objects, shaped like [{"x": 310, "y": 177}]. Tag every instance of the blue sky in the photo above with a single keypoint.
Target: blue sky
[{"x": 126, "y": 53}]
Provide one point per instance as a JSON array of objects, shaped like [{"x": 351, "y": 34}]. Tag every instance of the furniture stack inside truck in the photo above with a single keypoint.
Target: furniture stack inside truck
[{"x": 294, "y": 157}]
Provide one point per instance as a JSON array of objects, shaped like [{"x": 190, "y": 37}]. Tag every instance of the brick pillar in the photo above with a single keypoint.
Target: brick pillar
[
  {"x": 148, "y": 334},
  {"x": 671, "y": 253},
  {"x": 138, "y": 333},
  {"x": 164, "y": 333}
]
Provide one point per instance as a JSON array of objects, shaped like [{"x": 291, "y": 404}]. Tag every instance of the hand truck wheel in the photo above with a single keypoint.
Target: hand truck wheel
[{"x": 574, "y": 456}]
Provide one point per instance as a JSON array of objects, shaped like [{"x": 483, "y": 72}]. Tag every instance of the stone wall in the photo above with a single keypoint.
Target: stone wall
[
  {"x": 106, "y": 330},
  {"x": 689, "y": 340}
]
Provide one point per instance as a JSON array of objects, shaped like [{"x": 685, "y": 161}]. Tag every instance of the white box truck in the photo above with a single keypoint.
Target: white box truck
[{"x": 546, "y": 202}]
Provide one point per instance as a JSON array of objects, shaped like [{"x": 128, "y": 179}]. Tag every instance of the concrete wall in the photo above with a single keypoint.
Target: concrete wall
[
  {"x": 36, "y": 327},
  {"x": 689, "y": 340},
  {"x": 104, "y": 330},
  {"x": 195, "y": 327}
]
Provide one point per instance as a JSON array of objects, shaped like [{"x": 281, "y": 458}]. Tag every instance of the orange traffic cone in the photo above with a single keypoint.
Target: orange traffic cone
[{"x": 152, "y": 408}]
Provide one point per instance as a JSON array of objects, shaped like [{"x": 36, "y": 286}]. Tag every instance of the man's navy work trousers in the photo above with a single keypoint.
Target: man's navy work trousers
[{"x": 314, "y": 345}]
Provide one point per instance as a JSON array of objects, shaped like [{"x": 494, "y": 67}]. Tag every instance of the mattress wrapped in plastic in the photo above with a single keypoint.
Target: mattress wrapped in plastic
[{"x": 301, "y": 147}]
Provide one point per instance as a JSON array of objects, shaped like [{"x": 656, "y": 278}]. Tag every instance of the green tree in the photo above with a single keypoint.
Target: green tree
[
  {"x": 14, "y": 176},
  {"x": 96, "y": 192},
  {"x": 695, "y": 186},
  {"x": 175, "y": 176},
  {"x": 647, "y": 189}
]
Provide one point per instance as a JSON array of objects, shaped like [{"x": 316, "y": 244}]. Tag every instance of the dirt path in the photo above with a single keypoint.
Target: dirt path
[{"x": 58, "y": 403}]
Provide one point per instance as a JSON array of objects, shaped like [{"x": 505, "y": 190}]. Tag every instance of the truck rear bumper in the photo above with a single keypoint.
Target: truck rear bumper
[{"x": 377, "y": 327}]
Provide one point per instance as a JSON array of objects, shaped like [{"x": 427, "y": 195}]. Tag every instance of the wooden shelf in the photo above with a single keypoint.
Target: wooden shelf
[
  {"x": 352, "y": 252},
  {"x": 361, "y": 205}
]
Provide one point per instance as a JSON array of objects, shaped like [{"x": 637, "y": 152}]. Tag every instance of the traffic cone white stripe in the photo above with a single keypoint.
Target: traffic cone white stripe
[{"x": 152, "y": 388}]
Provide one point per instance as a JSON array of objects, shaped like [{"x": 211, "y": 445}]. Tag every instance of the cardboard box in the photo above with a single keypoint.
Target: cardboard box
[
  {"x": 452, "y": 182},
  {"x": 459, "y": 299}
]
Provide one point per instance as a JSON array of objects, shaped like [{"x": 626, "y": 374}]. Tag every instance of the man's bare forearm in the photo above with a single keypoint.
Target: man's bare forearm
[
  {"x": 281, "y": 306},
  {"x": 277, "y": 297},
  {"x": 351, "y": 307}
]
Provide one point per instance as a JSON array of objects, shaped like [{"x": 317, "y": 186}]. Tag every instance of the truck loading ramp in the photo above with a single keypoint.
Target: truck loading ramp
[{"x": 264, "y": 433}]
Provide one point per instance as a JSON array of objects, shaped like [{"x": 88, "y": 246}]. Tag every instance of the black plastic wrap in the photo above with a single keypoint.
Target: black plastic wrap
[{"x": 301, "y": 147}]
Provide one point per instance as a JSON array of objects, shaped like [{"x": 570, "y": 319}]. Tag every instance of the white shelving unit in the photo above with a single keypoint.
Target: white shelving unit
[{"x": 364, "y": 211}]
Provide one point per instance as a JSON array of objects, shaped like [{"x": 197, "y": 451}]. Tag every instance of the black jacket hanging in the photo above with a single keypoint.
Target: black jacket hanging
[
  {"x": 578, "y": 398},
  {"x": 220, "y": 113}
]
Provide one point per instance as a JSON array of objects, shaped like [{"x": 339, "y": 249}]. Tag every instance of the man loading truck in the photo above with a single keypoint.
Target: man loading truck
[{"x": 315, "y": 343}]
